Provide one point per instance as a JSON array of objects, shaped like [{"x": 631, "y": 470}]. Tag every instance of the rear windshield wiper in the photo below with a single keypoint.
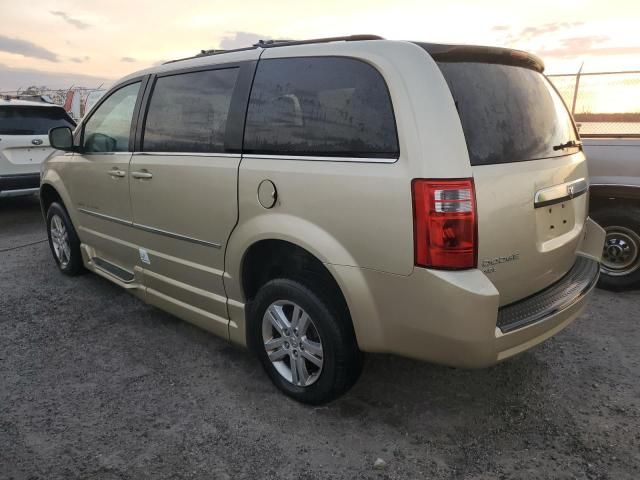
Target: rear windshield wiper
[{"x": 569, "y": 144}]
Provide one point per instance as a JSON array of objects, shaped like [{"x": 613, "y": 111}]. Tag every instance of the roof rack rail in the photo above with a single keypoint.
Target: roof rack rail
[
  {"x": 280, "y": 43},
  {"x": 206, "y": 53},
  {"x": 284, "y": 43},
  {"x": 213, "y": 51}
]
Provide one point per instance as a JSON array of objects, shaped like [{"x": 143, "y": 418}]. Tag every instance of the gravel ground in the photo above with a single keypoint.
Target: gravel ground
[{"x": 95, "y": 384}]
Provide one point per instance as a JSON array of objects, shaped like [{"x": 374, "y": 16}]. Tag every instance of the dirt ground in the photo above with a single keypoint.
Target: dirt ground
[{"x": 96, "y": 384}]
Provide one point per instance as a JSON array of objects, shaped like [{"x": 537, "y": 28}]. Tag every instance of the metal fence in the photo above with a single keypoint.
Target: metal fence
[{"x": 603, "y": 104}]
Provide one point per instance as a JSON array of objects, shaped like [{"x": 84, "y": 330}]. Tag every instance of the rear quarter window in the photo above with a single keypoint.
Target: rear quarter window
[
  {"x": 26, "y": 120},
  {"x": 323, "y": 106}
]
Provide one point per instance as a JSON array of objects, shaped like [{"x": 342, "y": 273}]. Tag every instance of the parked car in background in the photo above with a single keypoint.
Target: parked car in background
[
  {"x": 614, "y": 168},
  {"x": 313, "y": 200},
  {"x": 24, "y": 142}
]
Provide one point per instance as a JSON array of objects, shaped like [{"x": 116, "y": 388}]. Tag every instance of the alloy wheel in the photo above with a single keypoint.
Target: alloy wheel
[
  {"x": 292, "y": 343},
  {"x": 60, "y": 241}
]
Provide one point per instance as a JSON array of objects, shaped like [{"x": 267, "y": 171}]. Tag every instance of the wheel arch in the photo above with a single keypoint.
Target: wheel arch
[
  {"x": 265, "y": 259},
  {"x": 604, "y": 196},
  {"x": 268, "y": 259},
  {"x": 278, "y": 227},
  {"x": 52, "y": 189},
  {"x": 285, "y": 235},
  {"x": 48, "y": 195}
]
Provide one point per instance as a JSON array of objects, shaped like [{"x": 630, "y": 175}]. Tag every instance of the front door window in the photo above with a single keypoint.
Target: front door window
[{"x": 109, "y": 128}]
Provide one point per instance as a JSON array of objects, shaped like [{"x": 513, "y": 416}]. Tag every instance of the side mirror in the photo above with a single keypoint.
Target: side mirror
[
  {"x": 61, "y": 138},
  {"x": 100, "y": 143}
]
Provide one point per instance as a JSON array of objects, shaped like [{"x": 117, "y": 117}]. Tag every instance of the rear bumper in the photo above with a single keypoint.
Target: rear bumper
[
  {"x": 23, "y": 181},
  {"x": 529, "y": 322},
  {"x": 455, "y": 318},
  {"x": 556, "y": 298}
]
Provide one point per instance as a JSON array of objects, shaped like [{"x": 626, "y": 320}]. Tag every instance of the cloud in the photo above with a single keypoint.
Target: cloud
[
  {"x": 80, "y": 59},
  {"x": 70, "y": 20},
  {"x": 26, "y": 49},
  {"x": 240, "y": 40},
  {"x": 13, "y": 78},
  {"x": 551, "y": 40},
  {"x": 128, "y": 59},
  {"x": 587, "y": 46},
  {"x": 583, "y": 43},
  {"x": 533, "y": 32}
]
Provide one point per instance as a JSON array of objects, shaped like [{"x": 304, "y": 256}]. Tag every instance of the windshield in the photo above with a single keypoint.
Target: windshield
[
  {"x": 20, "y": 120},
  {"x": 508, "y": 113}
]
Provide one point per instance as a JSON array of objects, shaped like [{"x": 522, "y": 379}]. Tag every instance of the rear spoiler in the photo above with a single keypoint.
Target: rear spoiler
[{"x": 475, "y": 53}]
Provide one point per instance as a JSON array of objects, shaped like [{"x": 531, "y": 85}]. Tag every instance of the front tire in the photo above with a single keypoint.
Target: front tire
[
  {"x": 304, "y": 340},
  {"x": 620, "y": 267},
  {"x": 63, "y": 240}
]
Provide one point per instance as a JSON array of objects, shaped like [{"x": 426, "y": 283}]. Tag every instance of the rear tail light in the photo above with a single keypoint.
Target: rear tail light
[{"x": 444, "y": 223}]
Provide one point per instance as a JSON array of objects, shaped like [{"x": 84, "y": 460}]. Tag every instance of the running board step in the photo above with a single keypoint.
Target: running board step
[{"x": 108, "y": 267}]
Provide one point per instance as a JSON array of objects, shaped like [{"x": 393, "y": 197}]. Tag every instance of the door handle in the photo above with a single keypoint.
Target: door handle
[
  {"x": 142, "y": 175},
  {"x": 114, "y": 172}
]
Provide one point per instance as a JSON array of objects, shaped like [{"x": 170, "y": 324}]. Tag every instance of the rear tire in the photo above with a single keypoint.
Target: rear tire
[
  {"x": 63, "y": 240},
  {"x": 314, "y": 364},
  {"x": 620, "y": 268}
]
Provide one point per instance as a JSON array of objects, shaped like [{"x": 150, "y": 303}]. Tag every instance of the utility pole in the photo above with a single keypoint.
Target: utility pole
[{"x": 575, "y": 90}]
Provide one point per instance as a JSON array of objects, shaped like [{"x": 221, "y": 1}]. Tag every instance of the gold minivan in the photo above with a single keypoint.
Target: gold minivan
[{"x": 313, "y": 200}]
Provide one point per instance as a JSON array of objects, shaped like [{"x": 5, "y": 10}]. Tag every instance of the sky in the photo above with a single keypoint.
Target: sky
[{"x": 60, "y": 43}]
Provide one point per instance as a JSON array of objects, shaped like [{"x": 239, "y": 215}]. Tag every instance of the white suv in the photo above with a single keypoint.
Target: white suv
[{"x": 24, "y": 142}]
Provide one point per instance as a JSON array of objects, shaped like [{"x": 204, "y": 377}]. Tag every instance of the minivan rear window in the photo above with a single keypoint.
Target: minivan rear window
[
  {"x": 25, "y": 120},
  {"x": 508, "y": 113},
  {"x": 320, "y": 106}
]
